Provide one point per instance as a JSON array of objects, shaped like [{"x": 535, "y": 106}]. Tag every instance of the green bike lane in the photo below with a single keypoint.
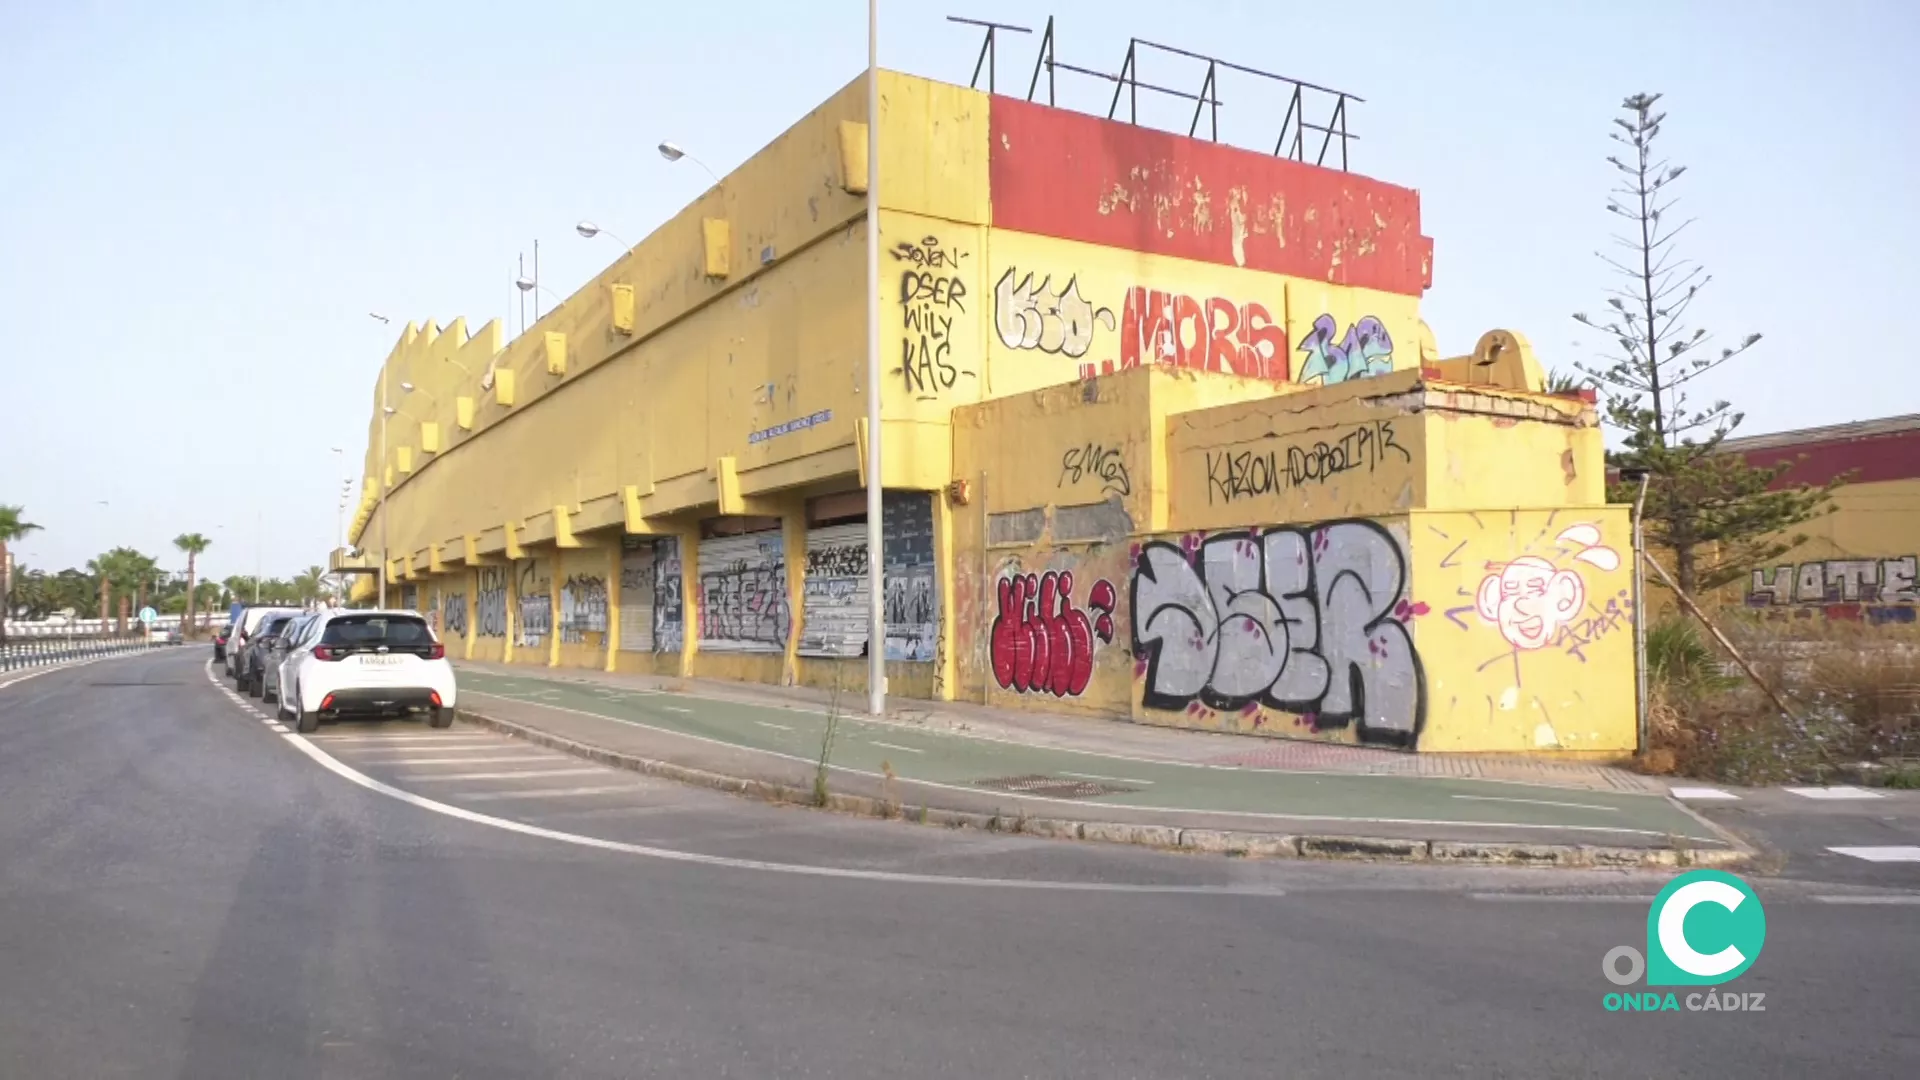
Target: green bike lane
[{"x": 1267, "y": 799}]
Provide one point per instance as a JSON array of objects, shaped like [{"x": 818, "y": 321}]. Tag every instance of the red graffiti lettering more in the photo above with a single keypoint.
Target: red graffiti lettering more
[
  {"x": 1041, "y": 643},
  {"x": 1214, "y": 334}
]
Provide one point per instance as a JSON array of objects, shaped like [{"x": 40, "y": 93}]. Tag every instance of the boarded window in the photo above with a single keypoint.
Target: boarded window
[
  {"x": 636, "y": 595},
  {"x": 834, "y": 602}
]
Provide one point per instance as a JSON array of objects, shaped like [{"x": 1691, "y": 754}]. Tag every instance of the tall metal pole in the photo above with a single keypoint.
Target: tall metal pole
[
  {"x": 1640, "y": 611},
  {"x": 381, "y": 478},
  {"x": 259, "y": 543},
  {"x": 876, "y": 577}
]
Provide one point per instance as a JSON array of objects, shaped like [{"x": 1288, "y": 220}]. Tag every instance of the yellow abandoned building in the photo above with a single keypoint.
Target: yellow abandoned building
[{"x": 1166, "y": 440}]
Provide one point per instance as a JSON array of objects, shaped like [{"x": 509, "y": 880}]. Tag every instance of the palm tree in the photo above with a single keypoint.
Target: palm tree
[
  {"x": 121, "y": 571},
  {"x": 310, "y": 584},
  {"x": 193, "y": 544},
  {"x": 13, "y": 528}
]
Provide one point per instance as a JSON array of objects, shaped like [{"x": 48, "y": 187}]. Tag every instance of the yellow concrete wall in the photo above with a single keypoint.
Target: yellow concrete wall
[
  {"x": 1523, "y": 619},
  {"x": 1857, "y": 565}
]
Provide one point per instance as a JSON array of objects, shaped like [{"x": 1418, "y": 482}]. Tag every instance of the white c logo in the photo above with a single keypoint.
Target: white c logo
[{"x": 1673, "y": 937}]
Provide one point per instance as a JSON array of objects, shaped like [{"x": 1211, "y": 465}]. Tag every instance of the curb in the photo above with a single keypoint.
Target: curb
[{"x": 1226, "y": 842}]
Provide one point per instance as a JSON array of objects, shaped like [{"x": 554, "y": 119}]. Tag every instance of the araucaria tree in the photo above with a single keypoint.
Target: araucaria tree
[{"x": 1719, "y": 516}]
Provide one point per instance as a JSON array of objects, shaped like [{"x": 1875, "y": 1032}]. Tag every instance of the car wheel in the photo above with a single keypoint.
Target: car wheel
[
  {"x": 440, "y": 718},
  {"x": 269, "y": 695},
  {"x": 304, "y": 722},
  {"x": 257, "y": 685}
]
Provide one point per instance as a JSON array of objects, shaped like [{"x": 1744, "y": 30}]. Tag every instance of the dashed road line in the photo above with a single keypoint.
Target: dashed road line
[
  {"x": 474, "y": 761},
  {"x": 675, "y": 708},
  {"x": 1881, "y": 854},
  {"x": 1537, "y": 802},
  {"x": 1564, "y": 898},
  {"x": 1097, "y": 776},
  {"x": 1842, "y": 791},
  {"x": 777, "y": 727},
  {"x": 1702, "y": 793},
  {"x": 527, "y": 774},
  {"x": 897, "y": 746},
  {"x": 1900, "y": 901},
  {"x": 547, "y": 793}
]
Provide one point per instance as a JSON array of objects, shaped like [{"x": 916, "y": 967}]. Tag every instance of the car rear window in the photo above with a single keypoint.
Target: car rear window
[
  {"x": 376, "y": 630},
  {"x": 276, "y": 625}
]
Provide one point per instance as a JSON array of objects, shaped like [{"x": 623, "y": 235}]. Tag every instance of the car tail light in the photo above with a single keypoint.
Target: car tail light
[
  {"x": 437, "y": 652},
  {"x": 327, "y": 652},
  {"x": 435, "y": 695},
  {"x": 326, "y": 703}
]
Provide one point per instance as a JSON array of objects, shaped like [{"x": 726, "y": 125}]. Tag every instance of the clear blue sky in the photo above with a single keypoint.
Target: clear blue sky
[{"x": 200, "y": 202}]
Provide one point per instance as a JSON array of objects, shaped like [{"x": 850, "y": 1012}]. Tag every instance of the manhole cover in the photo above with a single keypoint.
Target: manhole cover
[{"x": 1052, "y": 787}]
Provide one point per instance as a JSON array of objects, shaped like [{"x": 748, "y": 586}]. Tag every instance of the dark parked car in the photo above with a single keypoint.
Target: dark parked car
[{"x": 249, "y": 664}]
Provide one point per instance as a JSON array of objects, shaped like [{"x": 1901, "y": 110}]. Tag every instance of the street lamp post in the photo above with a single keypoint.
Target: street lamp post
[
  {"x": 1639, "y": 601},
  {"x": 672, "y": 152},
  {"x": 589, "y": 230},
  {"x": 876, "y": 576},
  {"x": 386, "y": 411}
]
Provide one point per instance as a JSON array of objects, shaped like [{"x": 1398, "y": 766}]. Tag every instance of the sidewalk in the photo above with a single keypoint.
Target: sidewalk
[{"x": 1080, "y": 776}]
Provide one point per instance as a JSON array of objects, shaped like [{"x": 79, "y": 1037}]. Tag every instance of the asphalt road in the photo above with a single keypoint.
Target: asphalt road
[{"x": 187, "y": 892}]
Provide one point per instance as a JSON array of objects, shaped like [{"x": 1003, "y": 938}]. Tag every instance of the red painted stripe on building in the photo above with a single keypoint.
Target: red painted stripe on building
[
  {"x": 1064, "y": 174},
  {"x": 1894, "y": 456}
]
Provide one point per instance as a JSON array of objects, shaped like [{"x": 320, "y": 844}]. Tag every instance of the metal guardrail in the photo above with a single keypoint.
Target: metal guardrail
[{"x": 21, "y": 653}]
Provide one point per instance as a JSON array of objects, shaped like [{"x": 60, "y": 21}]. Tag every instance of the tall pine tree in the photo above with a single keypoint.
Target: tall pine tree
[{"x": 1719, "y": 516}]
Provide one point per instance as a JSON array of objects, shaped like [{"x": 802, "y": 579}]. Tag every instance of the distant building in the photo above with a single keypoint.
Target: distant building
[{"x": 1858, "y": 562}]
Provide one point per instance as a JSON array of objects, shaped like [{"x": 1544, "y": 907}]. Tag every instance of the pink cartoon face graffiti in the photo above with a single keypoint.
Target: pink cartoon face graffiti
[{"x": 1530, "y": 601}]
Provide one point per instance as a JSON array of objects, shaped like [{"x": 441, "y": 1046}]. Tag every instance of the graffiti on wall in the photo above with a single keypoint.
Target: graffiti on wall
[
  {"x": 1367, "y": 349},
  {"x": 535, "y": 610},
  {"x": 453, "y": 614},
  {"x": 932, "y": 295},
  {"x": 743, "y": 593},
  {"x": 834, "y": 605},
  {"x": 1041, "y": 641},
  {"x": 912, "y": 607},
  {"x": 669, "y": 613},
  {"x": 1204, "y": 333},
  {"x": 1030, "y": 316},
  {"x": 1305, "y": 620},
  {"x": 1096, "y": 464},
  {"x": 490, "y": 602},
  {"x": 583, "y": 608},
  {"x": 1238, "y": 473},
  {"x": 1533, "y": 600},
  {"x": 1878, "y": 590},
  {"x": 1543, "y": 601}
]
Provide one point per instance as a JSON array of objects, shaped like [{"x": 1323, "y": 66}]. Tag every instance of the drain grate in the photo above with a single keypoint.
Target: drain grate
[{"x": 1052, "y": 787}]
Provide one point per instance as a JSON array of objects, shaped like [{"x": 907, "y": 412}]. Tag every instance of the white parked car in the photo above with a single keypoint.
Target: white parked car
[{"x": 365, "y": 663}]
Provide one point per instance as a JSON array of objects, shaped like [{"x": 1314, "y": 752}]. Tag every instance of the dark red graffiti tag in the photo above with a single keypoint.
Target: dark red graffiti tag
[{"x": 1041, "y": 642}]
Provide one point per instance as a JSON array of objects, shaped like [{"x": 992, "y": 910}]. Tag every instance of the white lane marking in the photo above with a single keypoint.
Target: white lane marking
[
  {"x": 282, "y": 728},
  {"x": 402, "y": 738},
  {"x": 675, "y": 708},
  {"x": 779, "y": 727},
  {"x": 1842, "y": 791},
  {"x": 476, "y": 761},
  {"x": 1537, "y": 802},
  {"x": 897, "y": 746},
  {"x": 1256, "y": 815},
  {"x": 496, "y": 746},
  {"x": 1564, "y": 898},
  {"x": 1890, "y": 853},
  {"x": 1700, "y": 793},
  {"x": 548, "y": 793},
  {"x": 525, "y": 774},
  {"x": 1097, "y": 776},
  {"x": 1908, "y": 899}
]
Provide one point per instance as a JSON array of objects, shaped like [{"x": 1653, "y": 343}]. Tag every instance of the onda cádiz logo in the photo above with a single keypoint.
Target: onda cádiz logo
[{"x": 1705, "y": 929}]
